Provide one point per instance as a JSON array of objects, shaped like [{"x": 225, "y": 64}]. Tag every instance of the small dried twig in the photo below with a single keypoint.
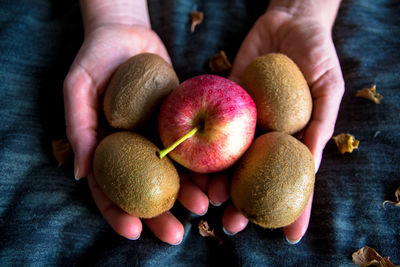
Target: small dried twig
[{"x": 204, "y": 230}]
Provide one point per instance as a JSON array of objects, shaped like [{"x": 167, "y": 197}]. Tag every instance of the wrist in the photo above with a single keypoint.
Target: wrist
[
  {"x": 323, "y": 11},
  {"x": 98, "y": 13}
]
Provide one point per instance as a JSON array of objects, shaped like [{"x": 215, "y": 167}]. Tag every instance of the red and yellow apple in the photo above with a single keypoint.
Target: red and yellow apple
[{"x": 207, "y": 123}]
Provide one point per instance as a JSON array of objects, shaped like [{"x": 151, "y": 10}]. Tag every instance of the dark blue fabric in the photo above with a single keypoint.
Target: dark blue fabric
[{"x": 47, "y": 218}]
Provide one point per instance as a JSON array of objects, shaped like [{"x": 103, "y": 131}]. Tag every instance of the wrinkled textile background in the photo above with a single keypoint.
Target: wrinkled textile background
[{"x": 47, "y": 218}]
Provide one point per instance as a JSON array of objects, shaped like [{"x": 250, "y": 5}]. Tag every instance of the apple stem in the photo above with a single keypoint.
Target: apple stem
[{"x": 165, "y": 151}]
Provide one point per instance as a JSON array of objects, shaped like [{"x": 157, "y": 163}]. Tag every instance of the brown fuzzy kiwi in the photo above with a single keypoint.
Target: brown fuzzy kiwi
[
  {"x": 274, "y": 180},
  {"x": 136, "y": 89},
  {"x": 280, "y": 91},
  {"x": 128, "y": 170}
]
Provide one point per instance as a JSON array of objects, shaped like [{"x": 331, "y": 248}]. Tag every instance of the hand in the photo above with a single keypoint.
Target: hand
[
  {"x": 103, "y": 50},
  {"x": 307, "y": 40}
]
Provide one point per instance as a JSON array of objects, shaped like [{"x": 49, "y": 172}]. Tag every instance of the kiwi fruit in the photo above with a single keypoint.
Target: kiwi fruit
[
  {"x": 280, "y": 91},
  {"x": 136, "y": 90},
  {"x": 274, "y": 180},
  {"x": 128, "y": 170}
]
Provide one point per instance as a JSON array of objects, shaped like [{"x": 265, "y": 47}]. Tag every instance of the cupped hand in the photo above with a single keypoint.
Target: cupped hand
[
  {"x": 309, "y": 44},
  {"x": 103, "y": 50}
]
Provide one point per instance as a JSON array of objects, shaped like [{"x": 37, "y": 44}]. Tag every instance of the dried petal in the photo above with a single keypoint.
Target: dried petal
[
  {"x": 346, "y": 142},
  {"x": 219, "y": 63},
  {"x": 197, "y": 18},
  {"x": 367, "y": 256},
  {"x": 62, "y": 150},
  {"x": 394, "y": 203},
  {"x": 206, "y": 231},
  {"x": 370, "y": 93}
]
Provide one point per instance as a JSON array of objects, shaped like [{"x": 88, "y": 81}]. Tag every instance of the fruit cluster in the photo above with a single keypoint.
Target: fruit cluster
[
  {"x": 274, "y": 180},
  {"x": 207, "y": 124}
]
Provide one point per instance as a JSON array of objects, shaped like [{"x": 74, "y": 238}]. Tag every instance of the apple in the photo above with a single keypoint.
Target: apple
[{"x": 207, "y": 123}]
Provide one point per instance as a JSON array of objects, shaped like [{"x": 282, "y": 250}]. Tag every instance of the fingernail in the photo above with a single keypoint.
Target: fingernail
[
  {"x": 204, "y": 213},
  {"x": 293, "y": 242},
  {"x": 77, "y": 174},
  {"x": 227, "y": 232},
  {"x": 134, "y": 238},
  {"x": 178, "y": 243},
  {"x": 215, "y": 204}
]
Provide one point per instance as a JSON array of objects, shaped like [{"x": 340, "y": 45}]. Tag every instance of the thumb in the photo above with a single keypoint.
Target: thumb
[
  {"x": 251, "y": 47},
  {"x": 243, "y": 58},
  {"x": 80, "y": 103}
]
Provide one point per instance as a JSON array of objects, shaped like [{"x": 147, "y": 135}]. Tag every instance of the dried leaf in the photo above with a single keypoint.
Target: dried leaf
[
  {"x": 206, "y": 231},
  {"x": 367, "y": 256},
  {"x": 370, "y": 94},
  {"x": 197, "y": 18},
  {"x": 346, "y": 142},
  {"x": 394, "y": 203},
  {"x": 62, "y": 150},
  {"x": 219, "y": 63}
]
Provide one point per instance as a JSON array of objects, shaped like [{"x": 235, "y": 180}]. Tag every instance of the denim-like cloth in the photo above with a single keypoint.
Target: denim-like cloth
[{"x": 47, "y": 218}]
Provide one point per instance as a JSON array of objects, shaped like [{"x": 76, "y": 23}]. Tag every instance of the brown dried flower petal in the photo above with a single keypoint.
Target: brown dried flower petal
[
  {"x": 370, "y": 93},
  {"x": 394, "y": 203},
  {"x": 219, "y": 63},
  {"x": 346, "y": 142},
  {"x": 206, "y": 231},
  {"x": 367, "y": 256},
  {"x": 197, "y": 18},
  {"x": 62, "y": 150}
]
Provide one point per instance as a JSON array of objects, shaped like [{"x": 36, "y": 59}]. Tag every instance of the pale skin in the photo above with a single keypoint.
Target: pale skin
[{"x": 117, "y": 30}]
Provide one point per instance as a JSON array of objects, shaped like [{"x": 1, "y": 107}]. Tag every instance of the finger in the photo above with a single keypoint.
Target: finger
[
  {"x": 191, "y": 196},
  {"x": 123, "y": 223},
  {"x": 200, "y": 179},
  {"x": 167, "y": 228},
  {"x": 233, "y": 221},
  {"x": 80, "y": 101},
  {"x": 295, "y": 231},
  {"x": 218, "y": 189},
  {"x": 327, "y": 94}
]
